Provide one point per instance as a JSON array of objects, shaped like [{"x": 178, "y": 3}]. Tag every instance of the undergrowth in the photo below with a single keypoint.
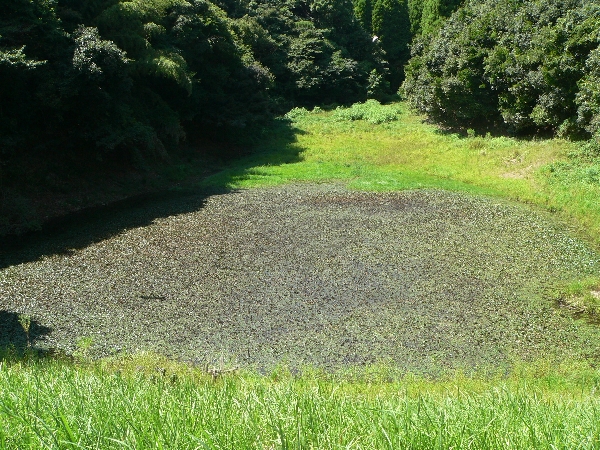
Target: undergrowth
[{"x": 371, "y": 111}]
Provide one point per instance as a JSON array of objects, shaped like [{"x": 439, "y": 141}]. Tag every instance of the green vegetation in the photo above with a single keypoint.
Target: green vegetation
[
  {"x": 93, "y": 89},
  {"x": 161, "y": 73},
  {"x": 170, "y": 80},
  {"x": 526, "y": 67},
  {"x": 146, "y": 402},
  {"x": 556, "y": 175},
  {"x": 392, "y": 280},
  {"x": 312, "y": 274},
  {"x": 391, "y": 24},
  {"x": 433, "y": 12},
  {"x": 143, "y": 400}
]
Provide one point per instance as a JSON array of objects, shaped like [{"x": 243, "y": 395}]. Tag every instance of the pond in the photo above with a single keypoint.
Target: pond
[{"x": 319, "y": 275}]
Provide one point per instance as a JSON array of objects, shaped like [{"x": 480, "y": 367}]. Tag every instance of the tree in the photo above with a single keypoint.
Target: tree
[
  {"x": 529, "y": 65},
  {"x": 588, "y": 98},
  {"x": 114, "y": 82},
  {"x": 316, "y": 50},
  {"x": 415, "y": 13},
  {"x": 363, "y": 10},
  {"x": 435, "y": 11},
  {"x": 391, "y": 23},
  {"x": 33, "y": 49}
]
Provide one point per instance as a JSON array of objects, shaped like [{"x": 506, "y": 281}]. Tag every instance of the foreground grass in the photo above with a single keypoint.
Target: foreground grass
[{"x": 145, "y": 402}]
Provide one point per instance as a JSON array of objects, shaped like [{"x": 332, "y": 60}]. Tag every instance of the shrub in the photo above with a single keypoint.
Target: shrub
[{"x": 372, "y": 111}]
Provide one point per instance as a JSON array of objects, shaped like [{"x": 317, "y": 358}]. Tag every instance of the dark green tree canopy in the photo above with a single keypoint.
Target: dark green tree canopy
[
  {"x": 391, "y": 24},
  {"x": 134, "y": 79},
  {"x": 120, "y": 82},
  {"x": 363, "y": 10},
  {"x": 530, "y": 65}
]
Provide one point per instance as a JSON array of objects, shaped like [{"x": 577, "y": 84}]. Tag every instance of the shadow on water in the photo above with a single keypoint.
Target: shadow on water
[
  {"x": 20, "y": 332},
  {"x": 65, "y": 235}
]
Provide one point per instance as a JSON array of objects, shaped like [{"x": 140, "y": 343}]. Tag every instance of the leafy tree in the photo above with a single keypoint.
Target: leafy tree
[
  {"x": 434, "y": 12},
  {"x": 444, "y": 77},
  {"x": 33, "y": 48},
  {"x": 99, "y": 76},
  {"x": 588, "y": 97},
  {"x": 528, "y": 65},
  {"x": 120, "y": 82},
  {"x": 235, "y": 9},
  {"x": 415, "y": 14},
  {"x": 318, "y": 51},
  {"x": 539, "y": 71}
]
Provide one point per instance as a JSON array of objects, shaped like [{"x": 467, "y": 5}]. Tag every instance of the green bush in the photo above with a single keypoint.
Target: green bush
[
  {"x": 529, "y": 65},
  {"x": 371, "y": 111},
  {"x": 296, "y": 113}
]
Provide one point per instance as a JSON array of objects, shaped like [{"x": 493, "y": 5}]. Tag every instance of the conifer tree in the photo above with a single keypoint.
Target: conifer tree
[
  {"x": 434, "y": 11},
  {"x": 363, "y": 10},
  {"x": 415, "y": 12},
  {"x": 391, "y": 24}
]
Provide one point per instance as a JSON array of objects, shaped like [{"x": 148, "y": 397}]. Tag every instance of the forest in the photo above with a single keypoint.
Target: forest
[{"x": 110, "y": 85}]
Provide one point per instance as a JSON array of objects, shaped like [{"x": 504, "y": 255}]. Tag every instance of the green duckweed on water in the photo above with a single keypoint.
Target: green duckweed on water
[{"x": 319, "y": 275}]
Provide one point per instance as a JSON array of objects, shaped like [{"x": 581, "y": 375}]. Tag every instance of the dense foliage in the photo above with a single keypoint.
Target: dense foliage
[
  {"x": 120, "y": 83},
  {"x": 316, "y": 50},
  {"x": 396, "y": 22},
  {"x": 121, "y": 79},
  {"x": 528, "y": 65},
  {"x": 128, "y": 81}
]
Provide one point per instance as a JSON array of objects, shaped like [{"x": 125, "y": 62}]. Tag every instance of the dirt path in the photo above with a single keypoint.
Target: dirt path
[{"x": 316, "y": 274}]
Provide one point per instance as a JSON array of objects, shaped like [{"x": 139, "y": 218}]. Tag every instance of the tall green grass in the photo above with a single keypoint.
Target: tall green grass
[{"x": 46, "y": 404}]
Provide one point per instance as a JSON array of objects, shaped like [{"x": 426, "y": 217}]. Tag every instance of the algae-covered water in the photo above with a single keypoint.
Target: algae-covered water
[{"x": 316, "y": 275}]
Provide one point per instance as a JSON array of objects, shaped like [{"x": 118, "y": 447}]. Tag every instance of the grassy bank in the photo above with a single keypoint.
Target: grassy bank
[
  {"x": 404, "y": 152},
  {"x": 389, "y": 148},
  {"x": 145, "y": 402}
]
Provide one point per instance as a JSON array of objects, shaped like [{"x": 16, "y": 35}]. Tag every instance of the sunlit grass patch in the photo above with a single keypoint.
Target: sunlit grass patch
[
  {"x": 53, "y": 404},
  {"x": 408, "y": 153}
]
